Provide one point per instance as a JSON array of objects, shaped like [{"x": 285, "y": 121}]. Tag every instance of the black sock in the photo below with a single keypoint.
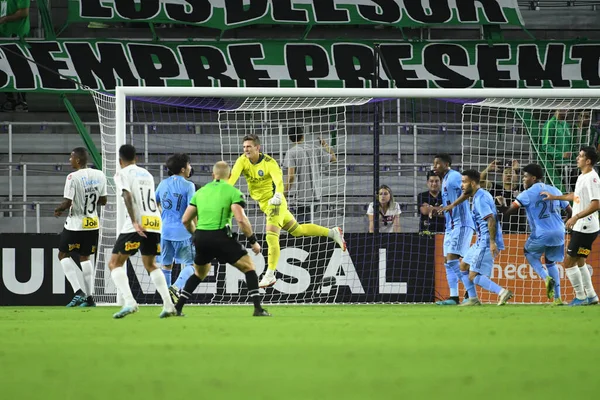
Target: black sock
[
  {"x": 252, "y": 282},
  {"x": 80, "y": 293},
  {"x": 190, "y": 285}
]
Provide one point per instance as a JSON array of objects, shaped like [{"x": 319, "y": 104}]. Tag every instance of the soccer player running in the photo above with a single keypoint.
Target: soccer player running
[
  {"x": 141, "y": 231},
  {"x": 172, "y": 195},
  {"x": 584, "y": 226},
  {"x": 476, "y": 266},
  {"x": 547, "y": 236},
  {"x": 85, "y": 190},
  {"x": 459, "y": 224},
  {"x": 265, "y": 184},
  {"x": 214, "y": 206}
]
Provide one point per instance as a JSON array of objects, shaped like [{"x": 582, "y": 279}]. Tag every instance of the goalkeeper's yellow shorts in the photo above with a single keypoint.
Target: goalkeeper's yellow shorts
[{"x": 276, "y": 215}]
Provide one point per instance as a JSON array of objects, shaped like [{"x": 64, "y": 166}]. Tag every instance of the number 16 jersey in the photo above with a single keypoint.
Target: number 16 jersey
[
  {"x": 84, "y": 188},
  {"x": 140, "y": 183}
]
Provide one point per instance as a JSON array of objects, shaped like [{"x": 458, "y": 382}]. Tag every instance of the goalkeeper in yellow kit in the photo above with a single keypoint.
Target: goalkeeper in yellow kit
[{"x": 265, "y": 184}]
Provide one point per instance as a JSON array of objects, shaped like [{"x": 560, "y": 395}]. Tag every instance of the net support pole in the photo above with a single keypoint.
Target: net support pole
[
  {"x": 376, "y": 144},
  {"x": 120, "y": 139}
]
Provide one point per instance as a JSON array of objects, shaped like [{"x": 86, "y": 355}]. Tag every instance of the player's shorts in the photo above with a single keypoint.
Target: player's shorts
[
  {"x": 217, "y": 244},
  {"x": 458, "y": 240},
  {"x": 81, "y": 242},
  {"x": 176, "y": 250},
  {"x": 276, "y": 215},
  {"x": 130, "y": 243},
  {"x": 480, "y": 259},
  {"x": 580, "y": 245},
  {"x": 537, "y": 248}
]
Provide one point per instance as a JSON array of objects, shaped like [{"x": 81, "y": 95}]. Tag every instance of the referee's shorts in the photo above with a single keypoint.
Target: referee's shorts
[{"x": 217, "y": 244}]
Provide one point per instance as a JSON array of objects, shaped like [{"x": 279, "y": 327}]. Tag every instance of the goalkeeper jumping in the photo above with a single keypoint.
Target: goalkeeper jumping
[{"x": 265, "y": 184}]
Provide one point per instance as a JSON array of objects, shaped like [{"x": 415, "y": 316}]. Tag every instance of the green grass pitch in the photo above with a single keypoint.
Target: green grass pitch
[{"x": 323, "y": 352}]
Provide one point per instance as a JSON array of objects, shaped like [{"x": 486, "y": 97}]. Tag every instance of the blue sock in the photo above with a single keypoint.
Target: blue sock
[
  {"x": 536, "y": 264},
  {"x": 553, "y": 272},
  {"x": 469, "y": 286},
  {"x": 184, "y": 275},
  {"x": 167, "y": 273},
  {"x": 452, "y": 279},
  {"x": 487, "y": 284}
]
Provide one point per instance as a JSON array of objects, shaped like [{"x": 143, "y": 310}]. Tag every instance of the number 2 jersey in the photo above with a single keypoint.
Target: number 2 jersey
[
  {"x": 140, "y": 183},
  {"x": 84, "y": 188}
]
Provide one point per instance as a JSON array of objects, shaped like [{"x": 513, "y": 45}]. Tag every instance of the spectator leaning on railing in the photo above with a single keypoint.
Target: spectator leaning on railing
[{"x": 14, "y": 22}]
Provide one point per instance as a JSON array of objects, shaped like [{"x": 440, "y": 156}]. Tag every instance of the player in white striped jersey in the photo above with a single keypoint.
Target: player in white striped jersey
[
  {"x": 85, "y": 190},
  {"x": 141, "y": 231}
]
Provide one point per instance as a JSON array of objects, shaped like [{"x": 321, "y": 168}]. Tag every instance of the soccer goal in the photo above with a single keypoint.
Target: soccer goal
[{"x": 352, "y": 141}]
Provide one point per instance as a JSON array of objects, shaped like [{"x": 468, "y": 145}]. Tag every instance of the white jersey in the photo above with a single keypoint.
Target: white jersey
[
  {"x": 587, "y": 189},
  {"x": 140, "y": 183},
  {"x": 386, "y": 221},
  {"x": 84, "y": 188}
]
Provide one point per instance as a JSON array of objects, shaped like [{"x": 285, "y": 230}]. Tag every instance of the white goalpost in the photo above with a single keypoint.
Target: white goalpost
[{"x": 496, "y": 131}]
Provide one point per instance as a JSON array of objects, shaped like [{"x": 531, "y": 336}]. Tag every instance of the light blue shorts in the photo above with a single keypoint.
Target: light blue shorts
[
  {"x": 537, "y": 248},
  {"x": 480, "y": 260},
  {"x": 457, "y": 241},
  {"x": 180, "y": 251}
]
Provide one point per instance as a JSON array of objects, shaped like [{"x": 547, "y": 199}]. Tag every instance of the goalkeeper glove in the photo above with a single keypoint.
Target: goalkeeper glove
[{"x": 276, "y": 200}]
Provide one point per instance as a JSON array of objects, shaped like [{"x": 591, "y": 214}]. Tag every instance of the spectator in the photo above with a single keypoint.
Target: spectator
[
  {"x": 504, "y": 194},
  {"x": 389, "y": 212},
  {"x": 304, "y": 163},
  {"x": 557, "y": 150},
  {"x": 431, "y": 222},
  {"x": 14, "y": 22}
]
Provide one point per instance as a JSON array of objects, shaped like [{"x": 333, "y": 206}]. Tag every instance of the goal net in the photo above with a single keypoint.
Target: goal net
[{"x": 335, "y": 152}]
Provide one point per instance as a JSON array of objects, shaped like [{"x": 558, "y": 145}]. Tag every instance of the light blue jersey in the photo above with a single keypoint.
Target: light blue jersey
[
  {"x": 174, "y": 194},
  {"x": 543, "y": 216},
  {"x": 461, "y": 215},
  {"x": 483, "y": 208}
]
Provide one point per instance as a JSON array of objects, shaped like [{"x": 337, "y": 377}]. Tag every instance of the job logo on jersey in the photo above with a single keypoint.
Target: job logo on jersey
[
  {"x": 132, "y": 246},
  {"x": 90, "y": 223},
  {"x": 150, "y": 222}
]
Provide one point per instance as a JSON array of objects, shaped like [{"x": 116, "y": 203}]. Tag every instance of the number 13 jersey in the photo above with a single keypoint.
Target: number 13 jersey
[
  {"x": 84, "y": 188},
  {"x": 140, "y": 183}
]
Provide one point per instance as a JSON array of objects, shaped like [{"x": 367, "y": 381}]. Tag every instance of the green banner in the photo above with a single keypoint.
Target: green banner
[
  {"x": 227, "y": 14},
  {"x": 103, "y": 64}
]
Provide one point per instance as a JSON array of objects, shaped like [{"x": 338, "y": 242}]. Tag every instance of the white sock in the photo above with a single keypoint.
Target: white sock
[
  {"x": 574, "y": 275},
  {"x": 160, "y": 282},
  {"x": 70, "y": 269},
  {"x": 88, "y": 276},
  {"x": 586, "y": 280},
  {"x": 119, "y": 277},
  {"x": 270, "y": 273}
]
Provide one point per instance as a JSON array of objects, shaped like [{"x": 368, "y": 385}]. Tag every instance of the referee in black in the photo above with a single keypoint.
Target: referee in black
[{"x": 215, "y": 204}]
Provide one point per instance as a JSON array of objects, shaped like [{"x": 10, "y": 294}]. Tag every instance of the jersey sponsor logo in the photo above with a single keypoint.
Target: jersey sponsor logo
[
  {"x": 73, "y": 246},
  {"x": 583, "y": 251},
  {"x": 132, "y": 246},
  {"x": 93, "y": 249},
  {"x": 158, "y": 248},
  {"x": 90, "y": 223},
  {"x": 150, "y": 222}
]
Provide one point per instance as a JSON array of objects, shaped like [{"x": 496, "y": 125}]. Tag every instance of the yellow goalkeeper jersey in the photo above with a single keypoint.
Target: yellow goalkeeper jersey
[{"x": 264, "y": 178}]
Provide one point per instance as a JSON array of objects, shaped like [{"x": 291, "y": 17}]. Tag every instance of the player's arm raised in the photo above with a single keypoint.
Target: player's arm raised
[
  {"x": 565, "y": 197},
  {"x": 245, "y": 226},
  {"x": 463, "y": 197},
  {"x": 236, "y": 171}
]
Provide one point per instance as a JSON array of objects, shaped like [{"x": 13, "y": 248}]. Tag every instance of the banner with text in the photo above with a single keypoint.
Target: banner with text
[
  {"x": 228, "y": 14},
  {"x": 376, "y": 268},
  {"x": 104, "y": 64},
  {"x": 512, "y": 271}
]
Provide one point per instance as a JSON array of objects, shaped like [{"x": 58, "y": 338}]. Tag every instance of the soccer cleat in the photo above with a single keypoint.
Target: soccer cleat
[
  {"x": 550, "y": 287},
  {"x": 592, "y": 300},
  {"x": 267, "y": 280},
  {"x": 505, "y": 295},
  {"x": 338, "y": 237},
  {"x": 89, "y": 302},
  {"x": 447, "y": 302},
  {"x": 558, "y": 302},
  {"x": 126, "y": 310},
  {"x": 577, "y": 302},
  {"x": 77, "y": 301},
  {"x": 261, "y": 313},
  {"x": 168, "y": 313},
  {"x": 471, "y": 301},
  {"x": 174, "y": 293}
]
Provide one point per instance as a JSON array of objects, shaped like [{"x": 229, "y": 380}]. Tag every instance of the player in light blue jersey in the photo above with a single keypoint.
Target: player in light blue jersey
[
  {"x": 476, "y": 266},
  {"x": 547, "y": 236},
  {"x": 174, "y": 194},
  {"x": 459, "y": 224}
]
